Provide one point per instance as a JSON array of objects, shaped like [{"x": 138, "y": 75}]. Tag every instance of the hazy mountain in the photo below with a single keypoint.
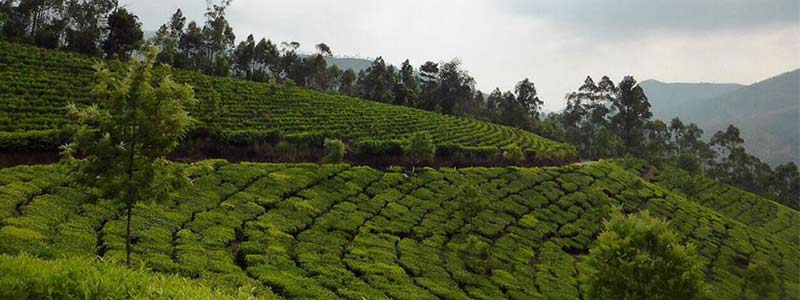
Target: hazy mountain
[
  {"x": 671, "y": 99},
  {"x": 344, "y": 63},
  {"x": 767, "y": 112},
  {"x": 357, "y": 64}
]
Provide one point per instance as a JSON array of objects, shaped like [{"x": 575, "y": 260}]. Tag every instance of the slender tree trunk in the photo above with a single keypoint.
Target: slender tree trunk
[
  {"x": 131, "y": 192},
  {"x": 131, "y": 199},
  {"x": 128, "y": 241}
]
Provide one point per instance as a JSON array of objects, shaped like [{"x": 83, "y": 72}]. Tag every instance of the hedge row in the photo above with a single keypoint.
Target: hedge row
[
  {"x": 37, "y": 84},
  {"x": 308, "y": 231}
]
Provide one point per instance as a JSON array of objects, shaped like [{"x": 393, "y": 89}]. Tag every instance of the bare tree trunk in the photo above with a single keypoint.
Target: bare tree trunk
[
  {"x": 128, "y": 242},
  {"x": 131, "y": 199},
  {"x": 131, "y": 196}
]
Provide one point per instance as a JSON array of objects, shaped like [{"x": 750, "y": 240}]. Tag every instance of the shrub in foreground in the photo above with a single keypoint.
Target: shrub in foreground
[
  {"x": 514, "y": 155},
  {"x": 26, "y": 277},
  {"x": 638, "y": 257},
  {"x": 420, "y": 148},
  {"x": 334, "y": 151}
]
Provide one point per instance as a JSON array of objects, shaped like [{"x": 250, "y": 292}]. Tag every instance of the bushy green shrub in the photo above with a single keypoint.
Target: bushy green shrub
[
  {"x": 379, "y": 148},
  {"x": 334, "y": 151},
  {"x": 420, "y": 148},
  {"x": 639, "y": 257},
  {"x": 514, "y": 154},
  {"x": 26, "y": 277}
]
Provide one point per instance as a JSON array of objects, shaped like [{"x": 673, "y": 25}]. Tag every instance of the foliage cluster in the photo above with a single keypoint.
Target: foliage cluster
[
  {"x": 27, "y": 277},
  {"x": 639, "y": 257}
]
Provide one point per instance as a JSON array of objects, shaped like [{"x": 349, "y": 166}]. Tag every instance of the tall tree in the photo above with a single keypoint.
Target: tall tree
[
  {"x": 493, "y": 105},
  {"x": 191, "y": 47},
  {"x": 40, "y": 22},
  {"x": 4, "y": 17},
  {"x": 347, "y": 83},
  {"x": 267, "y": 58},
  {"x": 84, "y": 29},
  {"x": 527, "y": 98},
  {"x": 657, "y": 141},
  {"x": 291, "y": 65},
  {"x": 455, "y": 86},
  {"x": 407, "y": 76},
  {"x": 218, "y": 39},
  {"x": 167, "y": 39},
  {"x": 124, "y": 34},
  {"x": 244, "y": 57},
  {"x": 429, "y": 75},
  {"x": 632, "y": 111},
  {"x": 316, "y": 72},
  {"x": 323, "y": 49},
  {"x": 512, "y": 113},
  {"x": 587, "y": 111},
  {"x": 378, "y": 82},
  {"x": 405, "y": 90},
  {"x": 676, "y": 129},
  {"x": 125, "y": 135},
  {"x": 728, "y": 141},
  {"x": 787, "y": 185}
]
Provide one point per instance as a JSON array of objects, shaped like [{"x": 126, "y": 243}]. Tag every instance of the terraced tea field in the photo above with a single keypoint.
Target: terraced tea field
[
  {"x": 735, "y": 203},
  {"x": 36, "y": 85},
  {"x": 307, "y": 231}
]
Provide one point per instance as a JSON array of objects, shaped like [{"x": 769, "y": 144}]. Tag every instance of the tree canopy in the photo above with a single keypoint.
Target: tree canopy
[
  {"x": 639, "y": 257},
  {"x": 122, "y": 138}
]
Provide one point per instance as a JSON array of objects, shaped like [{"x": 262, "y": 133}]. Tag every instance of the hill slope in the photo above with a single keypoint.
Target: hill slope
[
  {"x": 311, "y": 231},
  {"x": 735, "y": 203},
  {"x": 669, "y": 100},
  {"x": 37, "y": 84},
  {"x": 767, "y": 113}
]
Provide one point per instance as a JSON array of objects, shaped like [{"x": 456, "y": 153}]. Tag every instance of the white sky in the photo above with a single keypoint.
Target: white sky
[{"x": 554, "y": 43}]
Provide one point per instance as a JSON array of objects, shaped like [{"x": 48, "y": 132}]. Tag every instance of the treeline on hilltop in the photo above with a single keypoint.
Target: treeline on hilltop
[{"x": 604, "y": 120}]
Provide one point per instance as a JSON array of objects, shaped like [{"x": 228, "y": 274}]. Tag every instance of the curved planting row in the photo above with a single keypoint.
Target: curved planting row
[
  {"x": 37, "y": 84},
  {"x": 306, "y": 231},
  {"x": 738, "y": 204}
]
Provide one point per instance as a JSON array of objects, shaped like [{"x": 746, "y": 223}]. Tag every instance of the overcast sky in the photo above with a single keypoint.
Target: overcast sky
[{"x": 554, "y": 43}]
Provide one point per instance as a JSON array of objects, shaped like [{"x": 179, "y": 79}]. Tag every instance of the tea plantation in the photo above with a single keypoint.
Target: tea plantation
[
  {"x": 308, "y": 231},
  {"x": 735, "y": 203},
  {"x": 36, "y": 85}
]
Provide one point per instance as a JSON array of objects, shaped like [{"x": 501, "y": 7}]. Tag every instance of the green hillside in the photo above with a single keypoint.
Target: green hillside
[
  {"x": 308, "y": 231},
  {"x": 735, "y": 203},
  {"x": 37, "y": 84}
]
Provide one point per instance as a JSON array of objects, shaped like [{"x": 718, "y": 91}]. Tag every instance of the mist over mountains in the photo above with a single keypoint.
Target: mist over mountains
[{"x": 766, "y": 112}]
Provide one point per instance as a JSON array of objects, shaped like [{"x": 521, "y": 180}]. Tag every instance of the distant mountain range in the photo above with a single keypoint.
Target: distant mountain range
[
  {"x": 766, "y": 112},
  {"x": 344, "y": 63}
]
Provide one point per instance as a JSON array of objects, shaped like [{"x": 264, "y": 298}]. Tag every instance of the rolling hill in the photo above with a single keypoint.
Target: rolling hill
[
  {"x": 668, "y": 100},
  {"x": 344, "y": 63},
  {"x": 766, "y": 112},
  {"x": 36, "y": 85},
  {"x": 308, "y": 231}
]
